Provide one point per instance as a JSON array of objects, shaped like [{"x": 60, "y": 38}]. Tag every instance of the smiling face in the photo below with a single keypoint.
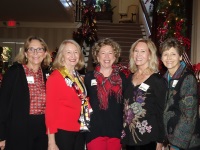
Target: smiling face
[
  {"x": 106, "y": 57},
  {"x": 71, "y": 56},
  {"x": 141, "y": 55},
  {"x": 35, "y": 58},
  {"x": 171, "y": 59}
]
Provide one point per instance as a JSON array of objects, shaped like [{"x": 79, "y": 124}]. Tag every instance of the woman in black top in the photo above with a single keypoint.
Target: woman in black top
[
  {"x": 22, "y": 99},
  {"x": 143, "y": 100},
  {"x": 105, "y": 87}
]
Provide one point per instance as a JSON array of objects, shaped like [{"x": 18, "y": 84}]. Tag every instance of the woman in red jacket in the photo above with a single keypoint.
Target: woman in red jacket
[{"x": 65, "y": 95}]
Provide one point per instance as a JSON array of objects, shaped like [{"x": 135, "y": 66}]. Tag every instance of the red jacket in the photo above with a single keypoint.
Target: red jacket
[{"x": 63, "y": 105}]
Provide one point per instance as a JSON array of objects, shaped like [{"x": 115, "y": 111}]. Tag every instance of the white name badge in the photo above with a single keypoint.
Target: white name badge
[
  {"x": 30, "y": 79},
  {"x": 174, "y": 83},
  {"x": 144, "y": 87},
  {"x": 93, "y": 82}
]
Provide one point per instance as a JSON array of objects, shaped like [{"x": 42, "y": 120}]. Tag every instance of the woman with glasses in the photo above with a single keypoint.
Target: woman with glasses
[{"x": 22, "y": 99}]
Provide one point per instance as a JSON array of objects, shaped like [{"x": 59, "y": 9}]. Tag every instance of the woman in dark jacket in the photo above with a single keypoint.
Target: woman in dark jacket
[
  {"x": 22, "y": 99},
  {"x": 181, "y": 120},
  {"x": 105, "y": 86}
]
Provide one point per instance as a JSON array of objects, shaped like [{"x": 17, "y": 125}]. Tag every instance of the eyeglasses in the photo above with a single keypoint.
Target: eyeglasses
[{"x": 38, "y": 50}]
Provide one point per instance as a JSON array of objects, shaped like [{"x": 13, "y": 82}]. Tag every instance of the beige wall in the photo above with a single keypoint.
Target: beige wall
[
  {"x": 122, "y": 6},
  {"x": 195, "y": 52},
  {"x": 52, "y": 33}
]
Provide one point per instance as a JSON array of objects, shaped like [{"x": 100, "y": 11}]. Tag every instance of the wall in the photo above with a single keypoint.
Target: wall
[
  {"x": 52, "y": 33},
  {"x": 122, "y": 6},
  {"x": 195, "y": 43}
]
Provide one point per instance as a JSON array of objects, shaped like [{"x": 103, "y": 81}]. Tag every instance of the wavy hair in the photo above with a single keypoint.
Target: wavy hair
[
  {"x": 153, "y": 61},
  {"x": 103, "y": 42},
  {"x": 21, "y": 58},
  {"x": 58, "y": 63}
]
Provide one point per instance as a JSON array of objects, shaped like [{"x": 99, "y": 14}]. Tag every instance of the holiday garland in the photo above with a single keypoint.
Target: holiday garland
[{"x": 174, "y": 21}]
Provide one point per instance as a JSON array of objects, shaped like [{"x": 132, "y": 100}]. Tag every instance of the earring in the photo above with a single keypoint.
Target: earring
[{"x": 26, "y": 59}]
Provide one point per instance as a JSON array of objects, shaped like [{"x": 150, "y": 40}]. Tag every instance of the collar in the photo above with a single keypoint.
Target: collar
[{"x": 178, "y": 72}]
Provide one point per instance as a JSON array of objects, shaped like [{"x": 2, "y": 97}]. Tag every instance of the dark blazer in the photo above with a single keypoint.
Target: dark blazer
[
  {"x": 181, "y": 118},
  {"x": 14, "y": 107}
]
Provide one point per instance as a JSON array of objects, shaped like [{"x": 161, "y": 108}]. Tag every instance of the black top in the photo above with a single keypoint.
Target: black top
[
  {"x": 104, "y": 122},
  {"x": 14, "y": 108},
  {"x": 143, "y": 111}
]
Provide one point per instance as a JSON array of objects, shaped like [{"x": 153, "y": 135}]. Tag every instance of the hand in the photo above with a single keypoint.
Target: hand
[
  {"x": 2, "y": 144},
  {"x": 53, "y": 146},
  {"x": 159, "y": 146}
]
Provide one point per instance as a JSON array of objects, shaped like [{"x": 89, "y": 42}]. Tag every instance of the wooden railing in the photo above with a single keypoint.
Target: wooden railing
[
  {"x": 144, "y": 10},
  {"x": 78, "y": 10}
]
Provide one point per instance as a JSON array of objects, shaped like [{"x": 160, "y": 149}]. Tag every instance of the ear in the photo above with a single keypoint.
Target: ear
[
  {"x": 97, "y": 58},
  {"x": 25, "y": 53},
  {"x": 181, "y": 58},
  {"x": 161, "y": 58}
]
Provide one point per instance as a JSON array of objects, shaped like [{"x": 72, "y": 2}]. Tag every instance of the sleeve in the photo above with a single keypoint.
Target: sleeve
[
  {"x": 6, "y": 89},
  {"x": 87, "y": 81},
  {"x": 52, "y": 94},
  {"x": 189, "y": 109},
  {"x": 160, "y": 93},
  {"x": 124, "y": 82}
]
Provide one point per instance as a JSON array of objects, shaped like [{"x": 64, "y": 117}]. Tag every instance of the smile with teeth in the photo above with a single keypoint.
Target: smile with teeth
[{"x": 106, "y": 61}]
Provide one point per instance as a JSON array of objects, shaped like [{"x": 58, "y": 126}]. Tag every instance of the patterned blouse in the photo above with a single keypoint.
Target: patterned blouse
[
  {"x": 143, "y": 111},
  {"x": 37, "y": 91}
]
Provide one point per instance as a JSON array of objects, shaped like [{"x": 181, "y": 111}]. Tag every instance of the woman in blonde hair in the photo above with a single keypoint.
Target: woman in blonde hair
[
  {"x": 23, "y": 99},
  {"x": 143, "y": 100},
  {"x": 67, "y": 110}
]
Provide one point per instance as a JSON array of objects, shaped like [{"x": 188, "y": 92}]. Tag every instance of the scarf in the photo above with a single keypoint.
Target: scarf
[
  {"x": 107, "y": 86},
  {"x": 77, "y": 84}
]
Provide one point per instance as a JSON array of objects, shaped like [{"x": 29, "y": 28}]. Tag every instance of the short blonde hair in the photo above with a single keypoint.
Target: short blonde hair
[
  {"x": 153, "y": 61},
  {"x": 58, "y": 63},
  {"x": 21, "y": 58},
  {"x": 103, "y": 42}
]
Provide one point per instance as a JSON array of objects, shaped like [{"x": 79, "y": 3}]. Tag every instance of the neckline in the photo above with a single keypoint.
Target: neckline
[{"x": 143, "y": 81}]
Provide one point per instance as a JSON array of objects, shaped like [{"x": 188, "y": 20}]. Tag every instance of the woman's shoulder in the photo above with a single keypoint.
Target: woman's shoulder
[
  {"x": 14, "y": 69},
  {"x": 89, "y": 74},
  {"x": 157, "y": 78},
  {"x": 55, "y": 75}
]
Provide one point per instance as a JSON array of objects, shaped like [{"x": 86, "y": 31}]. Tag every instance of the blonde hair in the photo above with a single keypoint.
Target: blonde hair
[
  {"x": 58, "y": 63},
  {"x": 103, "y": 42},
  {"x": 21, "y": 58},
  {"x": 153, "y": 61}
]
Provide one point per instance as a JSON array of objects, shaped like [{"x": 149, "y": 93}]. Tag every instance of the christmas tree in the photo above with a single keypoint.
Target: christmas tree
[
  {"x": 87, "y": 32},
  {"x": 172, "y": 14}
]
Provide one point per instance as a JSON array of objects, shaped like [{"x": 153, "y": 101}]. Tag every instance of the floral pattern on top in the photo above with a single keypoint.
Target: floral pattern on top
[{"x": 133, "y": 114}]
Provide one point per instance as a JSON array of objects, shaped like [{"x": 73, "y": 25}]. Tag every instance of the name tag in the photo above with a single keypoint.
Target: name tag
[
  {"x": 30, "y": 79},
  {"x": 174, "y": 83},
  {"x": 47, "y": 75},
  {"x": 144, "y": 87},
  {"x": 93, "y": 82}
]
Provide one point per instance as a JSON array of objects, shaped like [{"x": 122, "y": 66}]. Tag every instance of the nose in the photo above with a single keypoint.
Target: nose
[
  {"x": 168, "y": 56},
  {"x": 73, "y": 55},
  {"x": 138, "y": 53},
  {"x": 106, "y": 55}
]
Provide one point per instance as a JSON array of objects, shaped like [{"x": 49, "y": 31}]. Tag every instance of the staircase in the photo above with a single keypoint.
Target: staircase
[{"x": 123, "y": 33}]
